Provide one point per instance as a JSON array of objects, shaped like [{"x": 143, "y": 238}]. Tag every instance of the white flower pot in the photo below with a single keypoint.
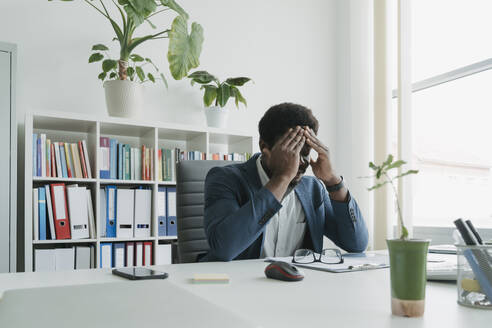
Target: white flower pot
[
  {"x": 123, "y": 98},
  {"x": 216, "y": 116}
]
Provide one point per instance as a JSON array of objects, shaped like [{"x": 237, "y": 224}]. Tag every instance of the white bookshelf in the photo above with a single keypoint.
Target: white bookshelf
[{"x": 71, "y": 127}]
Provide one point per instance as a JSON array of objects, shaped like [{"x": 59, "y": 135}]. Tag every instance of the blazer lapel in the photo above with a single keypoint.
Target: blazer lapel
[{"x": 251, "y": 172}]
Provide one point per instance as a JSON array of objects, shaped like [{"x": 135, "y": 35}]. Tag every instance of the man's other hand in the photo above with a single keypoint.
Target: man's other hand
[
  {"x": 322, "y": 167},
  {"x": 283, "y": 158}
]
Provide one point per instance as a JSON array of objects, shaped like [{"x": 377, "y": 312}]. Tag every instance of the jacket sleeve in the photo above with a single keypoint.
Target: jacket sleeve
[
  {"x": 344, "y": 224},
  {"x": 229, "y": 226}
]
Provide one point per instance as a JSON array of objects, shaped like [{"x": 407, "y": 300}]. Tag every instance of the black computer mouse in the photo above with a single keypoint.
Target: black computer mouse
[{"x": 283, "y": 271}]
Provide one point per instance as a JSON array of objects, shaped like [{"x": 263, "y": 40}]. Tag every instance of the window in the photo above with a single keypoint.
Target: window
[{"x": 452, "y": 112}]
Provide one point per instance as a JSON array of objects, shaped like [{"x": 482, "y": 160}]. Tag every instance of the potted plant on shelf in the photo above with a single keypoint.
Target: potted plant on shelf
[
  {"x": 123, "y": 77},
  {"x": 408, "y": 257},
  {"x": 217, "y": 94}
]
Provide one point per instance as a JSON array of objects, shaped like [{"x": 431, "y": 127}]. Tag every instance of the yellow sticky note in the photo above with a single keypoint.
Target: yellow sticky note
[{"x": 210, "y": 278}]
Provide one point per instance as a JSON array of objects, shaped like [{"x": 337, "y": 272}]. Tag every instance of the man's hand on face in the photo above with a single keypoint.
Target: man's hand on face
[
  {"x": 322, "y": 168},
  {"x": 283, "y": 158}
]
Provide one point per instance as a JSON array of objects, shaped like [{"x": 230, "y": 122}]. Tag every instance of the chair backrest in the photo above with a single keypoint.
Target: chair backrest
[{"x": 190, "y": 201}]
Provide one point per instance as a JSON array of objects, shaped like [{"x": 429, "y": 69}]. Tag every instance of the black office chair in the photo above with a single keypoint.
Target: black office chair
[{"x": 190, "y": 201}]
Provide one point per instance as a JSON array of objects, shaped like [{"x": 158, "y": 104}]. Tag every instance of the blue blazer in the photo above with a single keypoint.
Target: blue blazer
[{"x": 237, "y": 208}]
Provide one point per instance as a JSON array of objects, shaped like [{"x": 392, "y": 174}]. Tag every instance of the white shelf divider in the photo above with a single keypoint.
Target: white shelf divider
[
  {"x": 48, "y": 179},
  {"x": 152, "y": 134},
  {"x": 63, "y": 241}
]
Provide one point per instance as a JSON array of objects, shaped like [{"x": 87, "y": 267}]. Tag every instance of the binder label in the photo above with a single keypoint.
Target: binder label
[{"x": 59, "y": 202}]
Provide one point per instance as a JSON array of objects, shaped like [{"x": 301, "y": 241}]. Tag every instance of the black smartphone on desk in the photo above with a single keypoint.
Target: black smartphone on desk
[{"x": 139, "y": 273}]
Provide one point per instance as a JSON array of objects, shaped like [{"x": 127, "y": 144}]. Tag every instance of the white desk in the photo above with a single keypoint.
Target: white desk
[{"x": 356, "y": 299}]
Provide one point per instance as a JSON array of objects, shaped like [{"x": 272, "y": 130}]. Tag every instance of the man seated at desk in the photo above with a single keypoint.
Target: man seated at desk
[{"x": 267, "y": 208}]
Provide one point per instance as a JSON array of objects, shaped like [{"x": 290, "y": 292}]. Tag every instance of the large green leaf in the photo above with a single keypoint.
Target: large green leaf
[
  {"x": 109, "y": 64},
  {"x": 184, "y": 50},
  {"x": 202, "y": 77},
  {"x": 134, "y": 15},
  {"x": 138, "y": 10},
  {"x": 95, "y": 57},
  {"x": 140, "y": 73},
  {"x": 238, "y": 97},
  {"x": 99, "y": 47},
  {"x": 209, "y": 95},
  {"x": 130, "y": 71},
  {"x": 174, "y": 6},
  {"x": 136, "y": 58},
  {"x": 223, "y": 94},
  {"x": 238, "y": 81}
]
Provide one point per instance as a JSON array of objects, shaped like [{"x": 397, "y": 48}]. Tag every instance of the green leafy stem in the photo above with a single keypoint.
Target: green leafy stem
[
  {"x": 135, "y": 67},
  {"x": 383, "y": 177},
  {"x": 217, "y": 91}
]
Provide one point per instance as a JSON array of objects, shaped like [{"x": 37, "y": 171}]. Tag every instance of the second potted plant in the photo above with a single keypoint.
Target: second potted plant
[
  {"x": 217, "y": 94},
  {"x": 408, "y": 257}
]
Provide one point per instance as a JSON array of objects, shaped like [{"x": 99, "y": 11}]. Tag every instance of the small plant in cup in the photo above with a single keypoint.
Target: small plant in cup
[{"x": 383, "y": 177}]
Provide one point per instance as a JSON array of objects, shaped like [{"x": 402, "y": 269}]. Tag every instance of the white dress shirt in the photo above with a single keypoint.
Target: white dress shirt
[{"x": 284, "y": 232}]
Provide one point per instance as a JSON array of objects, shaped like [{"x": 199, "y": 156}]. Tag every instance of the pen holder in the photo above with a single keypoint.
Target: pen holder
[{"x": 474, "y": 281}]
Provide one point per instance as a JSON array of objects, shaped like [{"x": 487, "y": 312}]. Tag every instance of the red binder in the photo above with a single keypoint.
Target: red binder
[
  {"x": 147, "y": 253},
  {"x": 60, "y": 210},
  {"x": 53, "y": 160}
]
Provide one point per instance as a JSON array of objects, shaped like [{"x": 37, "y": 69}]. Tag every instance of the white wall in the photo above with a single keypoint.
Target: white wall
[
  {"x": 355, "y": 100},
  {"x": 286, "y": 47}
]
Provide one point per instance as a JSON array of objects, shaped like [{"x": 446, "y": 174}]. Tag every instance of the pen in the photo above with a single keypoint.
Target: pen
[
  {"x": 365, "y": 266},
  {"x": 474, "y": 231}
]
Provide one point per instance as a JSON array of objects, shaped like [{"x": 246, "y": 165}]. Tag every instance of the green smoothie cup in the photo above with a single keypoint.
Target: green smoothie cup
[{"x": 408, "y": 265}]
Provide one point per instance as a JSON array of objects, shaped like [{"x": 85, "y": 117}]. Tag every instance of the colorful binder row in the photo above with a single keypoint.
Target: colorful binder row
[
  {"x": 123, "y": 162},
  {"x": 64, "y": 259},
  {"x": 168, "y": 157},
  {"x": 125, "y": 254},
  {"x": 60, "y": 159},
  {"x": 62, "y": 212},
  {"x": 182, "y": 155},
  {"x": 237, "y": 157},
  {"x": 124, "y": 212}
]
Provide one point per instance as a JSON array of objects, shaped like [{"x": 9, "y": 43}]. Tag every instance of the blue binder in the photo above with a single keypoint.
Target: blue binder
[
  {"x": 42, "y": 213},
  {"x": 111, "y": 211},
  {"x": 172, "y": 229},
  {"x": 63, "y": 161},
  {"x": 161, "y": 211},
  {"x": 113, "y": 144}
]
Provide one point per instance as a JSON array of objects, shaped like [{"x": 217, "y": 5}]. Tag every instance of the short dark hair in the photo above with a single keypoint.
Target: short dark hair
[{"x": 281, "y": 117}]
